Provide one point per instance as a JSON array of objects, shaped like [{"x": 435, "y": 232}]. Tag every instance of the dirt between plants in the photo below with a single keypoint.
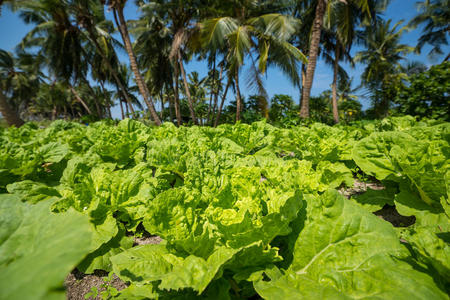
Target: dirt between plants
[
  {"x": 388, "y": 213},
  {"x": 360, "y": 187},
  {"x": 79, "y": 284}
]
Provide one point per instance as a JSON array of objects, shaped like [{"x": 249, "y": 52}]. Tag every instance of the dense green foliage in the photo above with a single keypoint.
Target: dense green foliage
[
  {"x": 243, "y": 210},
  {"x": 426, "y": 94}
]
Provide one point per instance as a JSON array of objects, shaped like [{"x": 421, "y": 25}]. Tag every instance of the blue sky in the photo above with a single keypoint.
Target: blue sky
[{"x": 13, "y": 29}]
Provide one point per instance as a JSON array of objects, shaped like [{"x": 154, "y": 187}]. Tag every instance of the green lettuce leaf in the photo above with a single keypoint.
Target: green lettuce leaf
[
  {"x": 150, "y": 263},
  {"x": 345, "y": 252},
  {"x": 100, "y": 258},
  {"x": 399, "y": 157},
  {"x": 374, "y": 200},
  {"x": 32, "y": 191},
  {"x": 40, "y": 249},
  {"x": 431, "y": 247}
]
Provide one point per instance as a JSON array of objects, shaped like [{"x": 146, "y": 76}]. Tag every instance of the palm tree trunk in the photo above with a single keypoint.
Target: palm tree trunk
[
  {"x": 177, "y": 94},
  {"x": 312, "y": 58},
  {"x": 161, "y": 115},
  {"x": 334, "y": 85},
  {"x": 212, "y": 92},
  {"x": 94, "y": 98},
  {"x": 108, "y": 100},
  {"x": 121, "y": 109},
  {"x": 170, "y": 108},
  {"x": 303, "y": 76},
  {"x": 122, "y": 25},
  {"x": 224, "y": 96},
  {"x": 53, "y": 113},
  {"x": 238, "y": 97},
  {"x": 11, "y": 117},
  {"x": 123, "y": 99},
  {"x": 209, "y": 107},
  {"x": 216, "y": 93},
  {"x": 109, "y": 110},
  {"x": 302, "y": 83},
  {"x": 77, "y": 96},
  {"x": 72, "y": 112},
  {"x": 186, "y": 89}
]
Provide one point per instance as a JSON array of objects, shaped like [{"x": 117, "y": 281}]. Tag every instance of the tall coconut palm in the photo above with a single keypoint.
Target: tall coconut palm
[
  {"x": 181, "y": 17},
  {"x": 349, "y": 106},
  {"x": 154, "y": 38},
  {"x": 214, "y": 84},
  {"x": 59, "y": 42},
  {"x": 322, "y": 7},
  {"x": 382, "y": 56},
  {"x": 91, "y": 20},
  {"x": 19, "y": 81},
  {"x": 333, "y": 52},
  {"x": 51, "y": 100},
  {"x": 435, "y": 14},
  {"x": 56, "y": 36},
  {"x": 339, "y": 35},
  {"x": 265, "y": 35},
  {"x": 118, "y": 6},
  {"x": 312, "y": 57},
  {"x": 197, "y": 91}
]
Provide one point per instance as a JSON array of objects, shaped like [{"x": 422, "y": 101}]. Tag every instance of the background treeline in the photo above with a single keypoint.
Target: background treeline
[{"x": 68, "y": 65}]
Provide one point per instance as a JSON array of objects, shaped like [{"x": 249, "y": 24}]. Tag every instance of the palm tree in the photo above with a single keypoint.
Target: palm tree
[
  {"x": 224, "y": 96},
  {"x": 92, "y": 22},
  {"x": 19, "y": 81},
  {"x": 56, "y": 36},
  {"x": 321, "y": 8},
  {"x": 414, "y": 67},
  {"x": 52, "y": 100},
  {"x": 266, "y": 35},
  {"x": 349, "y": 106},
  {"x": 382, "y": 57},
  {"x": 214, "y": 84},
  {"x": 339, "y": 34},
  {"x": 152, "y": 46},
  {"x": 60, "y": 44},
  {"x": 312, "y": 57},
  {"x": 183, "y": 16},
  {"x": 179, "y": 20},
  {"x": 117, "y": 6},
  {"x": 435, "y": 14},
  {"x": 197, "y": 91}
]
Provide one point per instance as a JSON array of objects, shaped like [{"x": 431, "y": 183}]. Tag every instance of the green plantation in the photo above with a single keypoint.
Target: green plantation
[
  {"x": 224, "y": 149},
  {"x": 241, "y": 211}
]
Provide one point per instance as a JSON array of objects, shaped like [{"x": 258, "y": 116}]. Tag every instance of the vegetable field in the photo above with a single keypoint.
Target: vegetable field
[{"x": 242, "y": 211}]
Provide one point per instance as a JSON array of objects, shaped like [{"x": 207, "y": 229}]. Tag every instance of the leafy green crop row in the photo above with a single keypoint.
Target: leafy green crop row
[{"x": 243, "y": 210}]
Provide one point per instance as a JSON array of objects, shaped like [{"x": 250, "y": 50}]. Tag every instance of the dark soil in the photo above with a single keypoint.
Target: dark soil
[
  {"x": 388, "y": 213},
  {"x": 79, "y": 284}
]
